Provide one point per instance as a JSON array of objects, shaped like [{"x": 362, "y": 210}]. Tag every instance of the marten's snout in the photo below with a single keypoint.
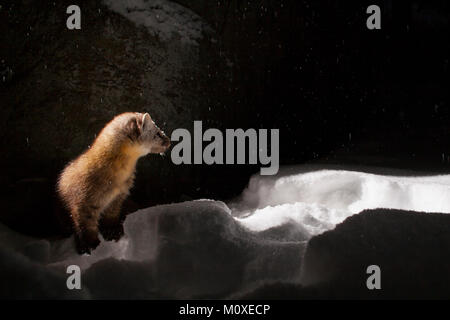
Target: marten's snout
[
  {"x": 166, "y": 142},
  {"x": 165, "y": 139}
]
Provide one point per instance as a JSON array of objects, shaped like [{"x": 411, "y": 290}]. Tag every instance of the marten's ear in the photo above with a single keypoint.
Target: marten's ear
[
  {"x": 134, "y": 128},
  {"x": 146, "y": 121}
]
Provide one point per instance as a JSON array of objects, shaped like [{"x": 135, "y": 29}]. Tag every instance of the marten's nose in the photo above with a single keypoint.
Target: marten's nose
[{"x": 166, "y": 142}]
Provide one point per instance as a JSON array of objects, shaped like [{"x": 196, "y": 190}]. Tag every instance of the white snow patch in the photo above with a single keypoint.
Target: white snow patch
[
  {"x": 162, "y": 18},
  {"x": 321, "y": 199}
]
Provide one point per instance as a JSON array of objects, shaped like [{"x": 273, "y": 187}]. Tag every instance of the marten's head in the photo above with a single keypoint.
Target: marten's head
[
  {"x": 148, "y": 135},
  {"x": 140, "y": 131}
]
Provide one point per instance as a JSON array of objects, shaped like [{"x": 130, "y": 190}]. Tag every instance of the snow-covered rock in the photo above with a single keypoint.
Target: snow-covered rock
[{"x": 162, "y": 18}]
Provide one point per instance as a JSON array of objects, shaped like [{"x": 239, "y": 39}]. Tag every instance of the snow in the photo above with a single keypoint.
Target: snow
[
  {"x": 193, "y": 249},
  {"x": 162, "y": 18},
  {"x": 208, "y": 249},
  {"x": 321, "y": 199}
]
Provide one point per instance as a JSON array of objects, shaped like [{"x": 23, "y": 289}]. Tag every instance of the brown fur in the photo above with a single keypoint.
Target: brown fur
[{"x": 94, "y": 186}]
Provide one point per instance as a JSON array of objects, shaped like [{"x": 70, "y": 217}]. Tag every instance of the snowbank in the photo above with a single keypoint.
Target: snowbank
[
  {"x": 204, "y": 249},
  {"x": 162, "y": 18},
  {"x": 319, "y": 200},
  {"x": 412, "y": 250},
  {"x": 193, "y": 249}
]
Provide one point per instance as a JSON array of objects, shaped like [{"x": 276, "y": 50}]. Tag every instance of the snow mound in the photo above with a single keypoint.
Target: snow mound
[
  {"x": 192, "y": 249},
  {"x": 206, "y": 249},
  {"x": 162, "y": 18},
  {"x": 319, "y": 200}
]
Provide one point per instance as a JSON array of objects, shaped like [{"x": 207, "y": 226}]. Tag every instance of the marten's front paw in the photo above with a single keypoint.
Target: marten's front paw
[
  {"x": 111, "y": 233},
  {"x": 86, "y": 244}
]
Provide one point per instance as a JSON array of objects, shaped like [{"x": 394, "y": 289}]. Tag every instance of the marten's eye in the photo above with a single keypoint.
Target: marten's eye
[{"x": 159, "y": 134}]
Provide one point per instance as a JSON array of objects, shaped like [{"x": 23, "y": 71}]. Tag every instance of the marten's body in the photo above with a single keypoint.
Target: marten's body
[{"x": 94, "y": 186}]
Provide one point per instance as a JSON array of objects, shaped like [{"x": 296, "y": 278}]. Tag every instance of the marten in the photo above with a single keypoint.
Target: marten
[{"x": 93, "y": 186}]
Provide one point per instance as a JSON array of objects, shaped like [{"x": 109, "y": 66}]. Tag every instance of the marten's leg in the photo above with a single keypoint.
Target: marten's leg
[
  {"x": 111, "y": 220},
  {"x": 86, "y": 229}
]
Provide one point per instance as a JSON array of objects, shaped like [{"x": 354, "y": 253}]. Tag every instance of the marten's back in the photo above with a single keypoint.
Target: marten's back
[{"x": 107, "y": 164}]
